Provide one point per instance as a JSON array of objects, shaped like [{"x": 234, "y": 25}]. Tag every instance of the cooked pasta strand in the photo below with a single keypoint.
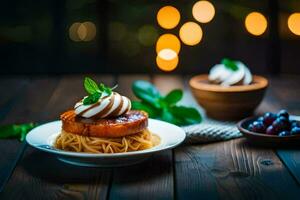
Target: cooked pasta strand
[{"x": 78, "y": 143}]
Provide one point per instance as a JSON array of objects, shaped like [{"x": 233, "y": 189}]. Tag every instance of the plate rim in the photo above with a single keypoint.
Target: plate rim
[{"x": 181, "y": 138}]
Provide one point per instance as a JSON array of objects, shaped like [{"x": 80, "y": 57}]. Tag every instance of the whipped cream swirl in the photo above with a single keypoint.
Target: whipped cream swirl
[
  {"x": 108, "y": 106},
  {"x": 220, "y": 74}
]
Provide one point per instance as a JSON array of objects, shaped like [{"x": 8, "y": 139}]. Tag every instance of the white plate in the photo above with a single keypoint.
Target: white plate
[{"x": 43, "y": 137}]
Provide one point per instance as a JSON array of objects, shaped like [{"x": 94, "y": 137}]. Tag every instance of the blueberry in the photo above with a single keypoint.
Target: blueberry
[
  {"x": 295, "y": 131},
  {"x": 281, "y": 124},
  {"x": 294, "y": 124},
  {"x": 271, "y": 131},
  {"x": 283, "y": 113},
  {"x": 269, "y": 118},
  {"x": 260, "y": 119},
  {"x": 250, "y": 127},
  {"x": 258, "y": 127},
  {"x": 284, "y": 133}
]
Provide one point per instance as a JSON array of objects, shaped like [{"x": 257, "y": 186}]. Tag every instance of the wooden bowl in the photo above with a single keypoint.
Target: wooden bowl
[
  {"x": 264, "y": 139},
  {"x": 228, "y": 103}
]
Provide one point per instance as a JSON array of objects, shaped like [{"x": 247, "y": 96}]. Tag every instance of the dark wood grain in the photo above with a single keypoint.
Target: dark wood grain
[
  {"x": 24, "y": 105},
  {"x": 225, "y": 170},
  {"x": 10, "y": 88},
  {"x": 232, "y": 170},
  {"x": 286, "y": 95},
  {"x": 152, "y": 179},
  {"x": 39, "y": 175}
]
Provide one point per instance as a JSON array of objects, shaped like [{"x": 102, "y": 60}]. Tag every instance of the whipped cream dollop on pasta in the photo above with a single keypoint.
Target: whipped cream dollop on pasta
[
  {"x": 108, "y": 106},
  {"x": 224, "y": 76}
]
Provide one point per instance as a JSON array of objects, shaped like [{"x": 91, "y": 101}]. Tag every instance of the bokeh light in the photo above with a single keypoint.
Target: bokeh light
[
  {"x": 294, "y": 23},
  {"x": 203, "y": 11},
  {"x": 82, "y": 31},
  {"x": 256, "y": 23},
  {"x": 147, "y": 35},
  {"x": 73, "y": 32},
  {"x": 168, "y": 41},
  {"x": 190, "y": 33},
  {"x": 90, "y": 31},
  {"x": 168, "y": 17},
  {"x": 167, "y": 60}
]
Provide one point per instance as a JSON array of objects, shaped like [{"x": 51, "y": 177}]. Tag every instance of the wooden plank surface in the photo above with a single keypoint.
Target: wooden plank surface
[
  {"x": 287, "y": 92},
  {"x": 39, "y": 175},
  {"x": 23, "y": 106},
  {"x": 232, "y": 170},
  {"x": 152, "y": 179},
  {"x": 226, "y": 170}
]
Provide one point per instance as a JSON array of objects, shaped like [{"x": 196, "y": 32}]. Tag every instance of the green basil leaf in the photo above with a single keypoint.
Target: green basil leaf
[
  {"x": 174, "y": 96},
  {"x": 167, "y": 116},
  {"x": 91, "y": 99},
  {"x": 90, "y": 86},
  {"x": 152, "y": 112},
  {"x": 147, "y": 92},
  {"x": 230, "y": 64},
  {"x": 8, "y": 131},
  {"x": 187, "y": 114},
  {"x": 16, "y": 131}
]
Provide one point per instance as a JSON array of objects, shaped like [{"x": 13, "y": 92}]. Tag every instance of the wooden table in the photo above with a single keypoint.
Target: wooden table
[{"x": 223, "y": 170}]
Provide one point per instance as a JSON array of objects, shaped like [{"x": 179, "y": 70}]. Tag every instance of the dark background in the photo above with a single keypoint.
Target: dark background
[{"x": 34, "y": 37}]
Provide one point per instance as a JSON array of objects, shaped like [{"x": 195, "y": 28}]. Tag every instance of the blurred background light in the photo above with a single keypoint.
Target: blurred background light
[
  {"x": 167, "y": 60},
  {"x": 256, "y": 23},
  {"x": 147, "y": 35},
  {"x": 73, "y": 32},
  {"x": 190, "y": 33},
  {"x": 294, "y": 23},
  {"x": 90, "y": 31},
  {"x": 82, "y": 31},
  {"x": 168, "y": 17},
  {"x": 168, "y": 41},
  {"x": 203, "y": 11},
  {"x": 167, "y": 54},
  {"x": 131, "y": 46},
  {"x": 116, "y": 31}
]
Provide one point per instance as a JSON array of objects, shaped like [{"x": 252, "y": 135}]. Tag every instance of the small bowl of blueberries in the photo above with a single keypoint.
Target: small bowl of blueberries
[{"x": 271, "y": 128}]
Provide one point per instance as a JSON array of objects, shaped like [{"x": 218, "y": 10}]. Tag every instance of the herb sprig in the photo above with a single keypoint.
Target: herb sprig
[
  {"x": 95, "y": 91},
  {"x": 230, "y": 64},
  {"x": 16, "y": 130},
  {"x": 163, "y": 107}
]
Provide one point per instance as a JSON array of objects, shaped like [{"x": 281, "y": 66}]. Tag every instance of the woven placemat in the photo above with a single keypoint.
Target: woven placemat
[{"x": 211, "y": 131}]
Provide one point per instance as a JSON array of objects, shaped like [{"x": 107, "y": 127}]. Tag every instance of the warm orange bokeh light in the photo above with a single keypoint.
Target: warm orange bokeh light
[
  {"x": 73, "y": 32},
  {"x": 168, "y": 41},
  {"x": 168, "y": 17},
  {"x": 82, "y": 31},
  {"x": 167, "y": 60},
  {"x": 294, "y": 23},
  {"x": 256, "y": 23},
  {"x": 190, "y": 33},
  {"x": 203, "y": 11},
  {"x": 90, "y": 31}
]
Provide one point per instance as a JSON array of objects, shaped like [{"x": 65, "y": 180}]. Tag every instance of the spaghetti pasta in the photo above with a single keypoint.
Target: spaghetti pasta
[{"x": 78, "y": 143}]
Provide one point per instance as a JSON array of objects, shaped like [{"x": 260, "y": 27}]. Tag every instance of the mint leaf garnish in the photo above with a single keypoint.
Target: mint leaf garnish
[
  {"x": 229, "y": 64},
  {"x": 90, "y": 85},
  {"x": 91, "y": 99},
  {"x": 95, "y": 92}
]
